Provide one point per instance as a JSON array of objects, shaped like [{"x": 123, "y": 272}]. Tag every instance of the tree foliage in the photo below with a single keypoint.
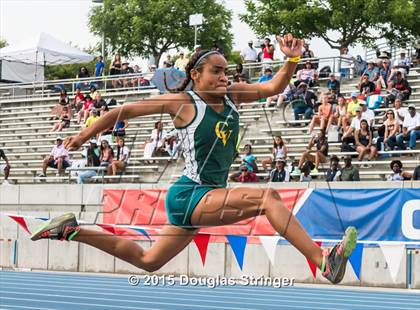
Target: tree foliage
[
  {"x": 355, "y": 21},
  {"x": 152, "y": 27},
  {"x": 3, "y": 43}
]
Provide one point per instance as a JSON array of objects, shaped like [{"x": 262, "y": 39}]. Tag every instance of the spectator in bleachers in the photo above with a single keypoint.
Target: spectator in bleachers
[
  {"x": 64, "y": 120},
  {"x": 410, "y": 129},
  {"x": 173, "y": 144},
  {"x": 306, "y": 101},
  {"x": 384, "y": 75},
  {"x": 402, "y": 64},
  {"x": 399, "y": 89},
  {"x": 181, "y": 62},
  {"x": 93, "y": 117},
  {"x": 392, "y": 129},
  {"x": 349, "y": 172},
  {"x": 363, "y": 141},
  {"x": 140, "y": 81},
  {"x": 83, "y": 73},
  {"x": 371, "y": 71},
  {"x": 84, "y": 112},
  {"x": 127, "y": 70},
  {"x": 332, "y": 96},
  {"x": 99, "y": 66},
  {"x": 400, "y": 112},
  {"x": 307, "y": 75},
  {"x": 248, "y": 160},
  {"x": 279, "y": 173},
  {"x": 268, "y": 51},
  {"x": 416, "y": 174},
  {"x": 279, "y": 151},
  {"x": 352, "y": 104},
  {"x": 319, "y": 155},
  {"x": 78, "y": 99},
  {"x": 333, "y": 173},
  {"x": 93, "y": 160},
  {"x": 268, "y": 75},
  {"x": 115, "y": 68},
  {"x": 305, "y": 176},
  {"x": 99, "y": 103},
  {"x": 58, "y": 159},
  {"x": 63, "y": 101},
  {"x": 348, "y": 136},
  {"x": 323, "y": 116},
  {"x": 119, "y": 129},
  {"x": 93, "y": 92},
  {"x": 346, "y": 62},
  {"x": 155, "y": 145},
  {"x": 367, "y": 114},
  {"x": 287, "y": 94},
  {"x": 107, "y": 154},
  {"x": 339, "y": 116},
  {"x": 107, "y": 133},
  {"x": 249, "y": 55},
  {"x": 397, "y": 173},
  {"x": 247, "y": 176},
  {"x": 333, "y": 83},
  {"x": 366, "y": 87},
  {"x": 5, "y": 168},
  {"x": 121, "y": 160},
  {"x": 359, "y": 65},
  {"x": 239, "y": 70},
  {"x": 307, "y": 53}
]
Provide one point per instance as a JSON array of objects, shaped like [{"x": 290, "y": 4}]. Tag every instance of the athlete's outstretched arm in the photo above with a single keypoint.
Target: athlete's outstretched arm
[
  {"x": 291, "y": 47},
  {"x": 167, "y": 104}
]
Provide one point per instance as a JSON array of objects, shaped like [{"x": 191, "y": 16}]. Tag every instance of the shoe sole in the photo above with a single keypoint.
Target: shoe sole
[
  {"x": 50, "y": 225},
  {"x": 349, "y": 241}
]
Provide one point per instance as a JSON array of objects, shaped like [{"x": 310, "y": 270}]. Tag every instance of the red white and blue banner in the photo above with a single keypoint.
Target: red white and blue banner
[{"x": 389, "y": 218}]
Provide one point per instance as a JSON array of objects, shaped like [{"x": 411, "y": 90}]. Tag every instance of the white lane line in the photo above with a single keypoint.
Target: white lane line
[
  {"x": 300, "y": 301},
  {"x": 232, "y": 291},
  {"x": 317, "y": 287},
  {"x": 25, "y": 307},
  {"x": 209, "y": 293},
  {"x": 117, "y": 300}
]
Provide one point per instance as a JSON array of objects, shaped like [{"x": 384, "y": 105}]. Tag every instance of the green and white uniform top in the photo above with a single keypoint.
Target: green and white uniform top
[{"x": 209, "y": 142}]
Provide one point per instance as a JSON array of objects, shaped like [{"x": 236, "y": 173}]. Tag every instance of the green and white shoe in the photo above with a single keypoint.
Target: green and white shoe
[
  {"x": 63, "y": 227},
  {"x": 335, "y": 259}
]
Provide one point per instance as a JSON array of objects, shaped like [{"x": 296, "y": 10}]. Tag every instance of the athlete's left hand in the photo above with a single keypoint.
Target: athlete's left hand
[{"x": 290, "y": 46}]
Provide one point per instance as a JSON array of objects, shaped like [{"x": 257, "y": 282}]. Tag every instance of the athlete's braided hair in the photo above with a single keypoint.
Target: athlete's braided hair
[{"x": 188, "y": 68}]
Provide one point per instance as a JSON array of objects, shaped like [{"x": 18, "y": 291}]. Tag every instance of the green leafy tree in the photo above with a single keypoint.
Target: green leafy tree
[
  {"x": 153, "y": 27},
  {"x": 340, "y": 23},
  {"x": 3, "y": 43}
]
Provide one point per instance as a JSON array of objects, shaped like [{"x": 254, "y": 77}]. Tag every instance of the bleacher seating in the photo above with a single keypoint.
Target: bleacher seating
[{"x": 26, "y": 138}]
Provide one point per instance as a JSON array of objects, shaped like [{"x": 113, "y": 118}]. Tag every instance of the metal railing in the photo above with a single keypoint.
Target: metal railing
[
  {"x": 394, "y": 49},
  {"x": 53, "y": 87},
  {"x": 335, "y": 64}
]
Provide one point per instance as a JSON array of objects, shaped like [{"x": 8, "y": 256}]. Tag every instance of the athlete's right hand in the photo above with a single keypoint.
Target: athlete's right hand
[{"x": 73, "y": 143}]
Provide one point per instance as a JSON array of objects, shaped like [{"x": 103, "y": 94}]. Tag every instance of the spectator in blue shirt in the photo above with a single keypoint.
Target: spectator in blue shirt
[
  {"x": 99, "y": 67},
  {"x": 268, "y": 75},
  {"x": 333, "y": 83}
]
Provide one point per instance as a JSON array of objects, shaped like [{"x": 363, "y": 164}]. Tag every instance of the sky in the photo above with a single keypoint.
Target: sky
[{"x": 67, "y": 20}]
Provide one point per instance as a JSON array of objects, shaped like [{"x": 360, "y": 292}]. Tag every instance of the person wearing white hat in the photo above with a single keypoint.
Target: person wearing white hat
[
  {"x": 197, "y": 48},
  {"x": 249, "y": 55},
  {"x": 58, "y": 159},
  {"x": 181, "y": 62}
]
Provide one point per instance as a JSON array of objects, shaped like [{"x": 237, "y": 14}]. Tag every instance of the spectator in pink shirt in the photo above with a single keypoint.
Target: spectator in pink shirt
[
  {"x": 58, "y": 159},
  {"x": 307, "y": 75},
  {"x": 247, "y": 176}
]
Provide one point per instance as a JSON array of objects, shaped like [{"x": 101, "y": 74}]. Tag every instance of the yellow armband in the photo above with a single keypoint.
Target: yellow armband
[{"x": 294, "y": 59}]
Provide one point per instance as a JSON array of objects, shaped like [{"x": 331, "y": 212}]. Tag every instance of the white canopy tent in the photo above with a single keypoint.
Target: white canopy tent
[{"x": 25, "y": 62}]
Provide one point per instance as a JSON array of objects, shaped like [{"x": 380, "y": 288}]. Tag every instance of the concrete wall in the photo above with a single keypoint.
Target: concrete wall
[{"x": 52, "y": 200}]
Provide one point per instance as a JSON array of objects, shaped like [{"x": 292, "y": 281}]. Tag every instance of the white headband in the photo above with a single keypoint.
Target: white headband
[{"x": 203, "y": 57}]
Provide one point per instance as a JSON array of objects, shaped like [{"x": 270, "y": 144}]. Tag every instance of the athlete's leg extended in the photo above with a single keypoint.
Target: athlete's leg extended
[
  {"x": 230, "y": 205},
  {"x": 171, "y": 241}
]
